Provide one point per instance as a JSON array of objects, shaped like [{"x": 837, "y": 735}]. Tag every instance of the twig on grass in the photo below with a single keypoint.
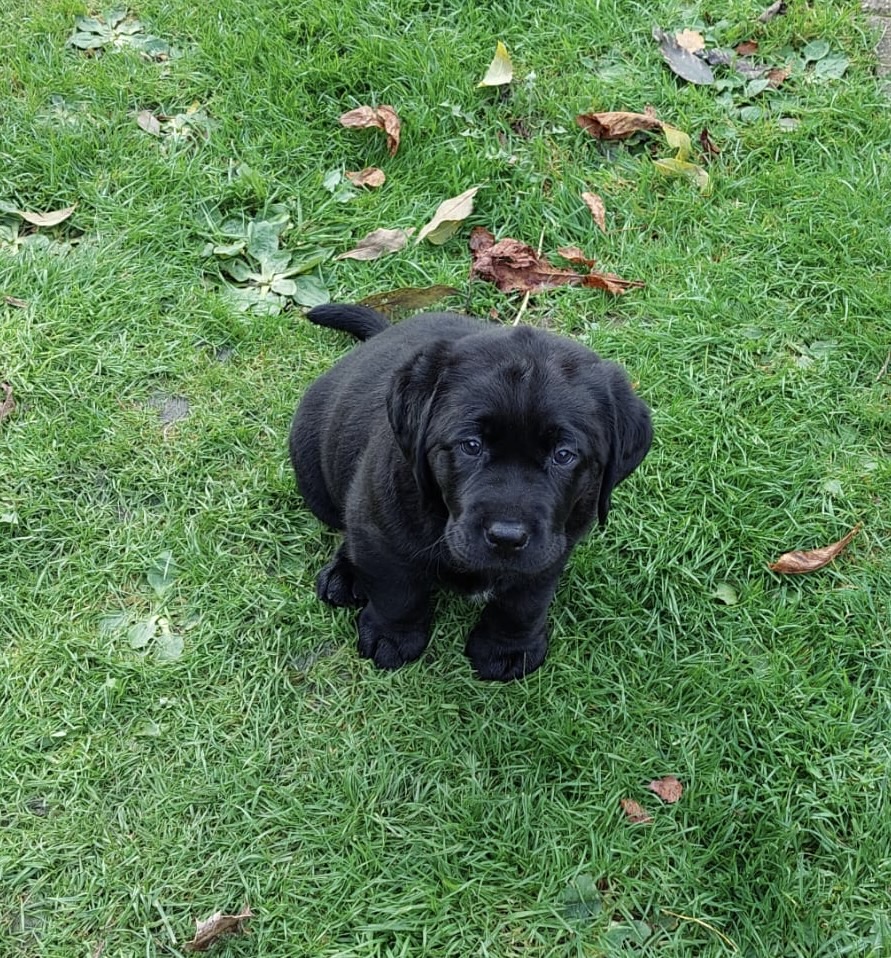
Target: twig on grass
[{"x": 704, "y": 924}]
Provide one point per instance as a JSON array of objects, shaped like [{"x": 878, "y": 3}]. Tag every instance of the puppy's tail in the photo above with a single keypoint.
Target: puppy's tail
[{"x": 359, "y": 321}]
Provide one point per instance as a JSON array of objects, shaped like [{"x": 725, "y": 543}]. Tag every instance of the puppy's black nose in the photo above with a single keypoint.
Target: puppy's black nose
[{"x": 507, "y": 535}]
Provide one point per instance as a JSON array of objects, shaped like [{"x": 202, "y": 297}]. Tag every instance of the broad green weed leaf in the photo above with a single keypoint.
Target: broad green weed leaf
[
  {"x": 238, "y": 269},
  {"x": 262, "y": 237},
  {"x": 581, "y": 899},
  {"x": 168, "y": 645},
  {"x": 140, "y": 634},
  {"x": 832, "y": 67},
  {"x": 815, "y": 50},
  {"x": 284, "y": 287},
  {"x": 311, "y": 291},
  {"x": 162, "y": 573}
]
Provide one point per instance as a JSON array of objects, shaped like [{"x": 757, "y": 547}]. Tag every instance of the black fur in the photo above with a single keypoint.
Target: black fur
[{"x": 459, "y": 453}]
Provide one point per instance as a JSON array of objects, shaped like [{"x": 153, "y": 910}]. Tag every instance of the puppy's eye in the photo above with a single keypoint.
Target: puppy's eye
[
  {"x": 564, "y": 457},
  {"x": 471, "y": 447}
]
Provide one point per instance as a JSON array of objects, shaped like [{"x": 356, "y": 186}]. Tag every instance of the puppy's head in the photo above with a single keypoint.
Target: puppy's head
[{"x": 519, "y": 437}]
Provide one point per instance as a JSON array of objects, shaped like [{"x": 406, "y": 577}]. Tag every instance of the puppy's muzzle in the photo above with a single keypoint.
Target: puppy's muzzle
[{"x": 506, "y": 537}]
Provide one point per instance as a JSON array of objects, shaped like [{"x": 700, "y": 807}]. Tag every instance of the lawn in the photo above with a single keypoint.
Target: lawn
[{"x": 185, "y": 729}]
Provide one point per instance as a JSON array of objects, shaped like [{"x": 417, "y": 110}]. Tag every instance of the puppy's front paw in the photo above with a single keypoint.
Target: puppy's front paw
[
  {"x": 336, "y": 583},
  {"x": 389, "y": 648},
  {"x": 500, "y": 662}
]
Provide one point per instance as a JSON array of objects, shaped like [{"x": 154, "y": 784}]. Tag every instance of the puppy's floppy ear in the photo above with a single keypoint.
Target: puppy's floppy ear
[
  {"x": 410, "y": 402},
  {"x": 629, "y": 432}
]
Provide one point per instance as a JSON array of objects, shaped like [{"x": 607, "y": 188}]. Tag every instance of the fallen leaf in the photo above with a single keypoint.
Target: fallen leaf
[
  {"x": 795, "y": 563},
  {"x": 501, "y": 70},
  {"x": 682, "y": 62},
  {"x": 408, "y": 297},
  {"x": 15, "y": 301},
  {"x": 690, "y": 40},
  {"x": 678, "y": 140},
  {"x": 675, "y": 167},
  {"x": 371, "y": 177},
  {"x": 146, "y": 120},
  {"x": 8, "y": 404},
  {"x": 450, "y": 214},
  {"x": 774, "y": 10},
  {"x": 47, "y": 219},
  {"x": 746, "y": 48},
  {"x": 382, "y": 118},
  {"x": 635, "y": 812},
  {"x": 515, "y": 266},
  {"x": 217, "y": 926},
  {"x": 378, "y": 243},
  {"x": 598, "y": 210},
  {"x": 777, "y": 76},
  {"x": 669, "y": 789},
  {"x": 709, "y": 148},
  {"x": 617, "y": 126},
  {"x": 725, "y": 593},
  {"x": 832, "y": 67},
  {"x": 815, "y": 50}
]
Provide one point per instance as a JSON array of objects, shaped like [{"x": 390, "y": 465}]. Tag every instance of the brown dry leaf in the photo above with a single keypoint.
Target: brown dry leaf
[
  {"x": 515, "y": 266},
  {"x": 617, "y": 126},
  {"x": 378, "y": 243},
  {"x": 449, "y": 215},
  {"x": 371, "y": 177},
  {"x": 47, "y": 219},
  {"x": 795, "y": 563},
  {"x": 382, "y": 118},
  {"x": 746, "y": 48},
  {"x": 598, "y": 210},
  {"x": 777, "y": 76},
  {"x": 217, "y": 926},
  {"x": 669, "y": 789},
  {"x": 409, "y": 297},
  {"x": 635, "y": 812},
  {"x": 8, "y": 404},
  {"x": 709, "y": 147},
  {"x": 146, "y": 120},
  {"x": 774, "y": 10},
  {"x": 690, "y": 40},
  {"x": 15, "y": 301}
]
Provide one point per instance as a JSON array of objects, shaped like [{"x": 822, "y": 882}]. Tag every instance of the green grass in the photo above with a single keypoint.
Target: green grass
[{"x": 423, "y": 813}]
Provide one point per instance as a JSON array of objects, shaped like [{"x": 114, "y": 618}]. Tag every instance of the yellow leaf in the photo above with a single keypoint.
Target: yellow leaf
[
  {"x": 450, "y": 214},
  {"x": 675, "y": 167},
  {"x": 677, "y": 140},
  {"x": 501, "y": 70}
]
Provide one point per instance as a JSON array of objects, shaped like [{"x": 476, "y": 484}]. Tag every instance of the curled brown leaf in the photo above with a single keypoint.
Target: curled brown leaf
[
  {"x": 669, "y": 789},
  {"x": 371, "y": 176},
  {"x": 598, "y": 210},
  {"x": 382, "y": 118},
  {"x": 378, "y": 243},
  {"x": 635, "y": 812},
  {"x": 217, "y": 926},
  {"x": 617, "y": 125},
  {"x": 798, "y": 562},
  {"x": 8, "y": 403},
  {"x": 515, "y": 266}
]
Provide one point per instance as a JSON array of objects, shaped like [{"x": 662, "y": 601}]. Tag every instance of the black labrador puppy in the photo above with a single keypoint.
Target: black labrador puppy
[{"x": 460, "y": 453}]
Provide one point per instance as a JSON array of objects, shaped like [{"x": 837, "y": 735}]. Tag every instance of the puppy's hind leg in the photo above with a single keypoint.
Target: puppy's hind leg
[{"x": 336, "y": 584}]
